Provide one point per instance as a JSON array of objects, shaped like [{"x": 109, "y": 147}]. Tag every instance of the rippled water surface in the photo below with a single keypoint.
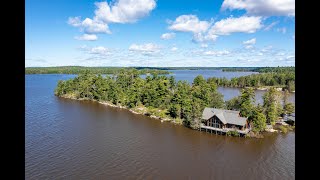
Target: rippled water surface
[{"x": 68, "y": 139}]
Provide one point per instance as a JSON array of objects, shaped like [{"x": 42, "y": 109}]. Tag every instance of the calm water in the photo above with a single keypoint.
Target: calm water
[{"x": 68, "y": 139}]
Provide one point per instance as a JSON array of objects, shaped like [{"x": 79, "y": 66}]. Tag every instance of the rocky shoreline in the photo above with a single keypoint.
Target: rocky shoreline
[{"x": 144, "y": 112}]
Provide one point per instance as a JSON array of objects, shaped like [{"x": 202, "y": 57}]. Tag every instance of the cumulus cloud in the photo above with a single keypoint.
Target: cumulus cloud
[
  {"x": 200, "y": 37},
  {"x": 123, "y": 11},
  {"x": 94, "y": 26},
  {"x": 118, "y": 11},
  {"x": 216, "y": 53},
  {"x": 87, "y": 37},
  {"x": 192, "y": 24},
  {"x": 250, "y": 41},
  {"x": 89, "y": 26},
  {"x": 244, "y": 24},
  {"x": 147, "y": 48},
  {"x": 189, "y": 23},
  {"x": 203, "y": 33},
  {"x": 262, "y": 7},
  {"x": 271, "y": 25},
  {"x": 167, "y": 36}
]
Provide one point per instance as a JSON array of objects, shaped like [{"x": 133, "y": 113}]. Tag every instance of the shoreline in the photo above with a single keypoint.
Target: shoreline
[
  {"x": 148, "y": 114},
  {"x": 106, "y": 103}
]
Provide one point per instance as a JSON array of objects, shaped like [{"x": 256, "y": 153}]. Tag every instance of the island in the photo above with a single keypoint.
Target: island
[{"x": 161, "y": 97}]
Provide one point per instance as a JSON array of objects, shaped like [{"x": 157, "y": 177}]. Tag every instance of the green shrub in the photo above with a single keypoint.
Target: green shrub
[
  {"x": 233, "y": 133},
  {"x": 283, "y": 129}
]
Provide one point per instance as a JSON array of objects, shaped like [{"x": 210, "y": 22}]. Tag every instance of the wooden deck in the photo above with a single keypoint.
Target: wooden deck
[{"x": 223, "y": 130}]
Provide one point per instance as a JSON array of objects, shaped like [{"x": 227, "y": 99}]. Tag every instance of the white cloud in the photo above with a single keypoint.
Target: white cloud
[
  {"x": 168, "y": 36},
  {"x": 118, "y": 11},
  {"x": 174, "y": 49},
  {"x": 145, "y": 48},
  {"x": 250, "y": 41},
  {"x": 123, "y": 11},
  {"x": 230, "y": 25},
  {"x": 89, "y": 26},
  {"x": 93, "y": 26},
  {"x": 282, "y": 30},
  {"x": 74, "y": 21},
  {"x": 216, "y": 53},
  {"x": 100, "y": 50},
  {"x": 271, "y": 25},
  {"x": 262, "y": 7},
  {"x": 189, "y": 23},
  {"x": 248, "y": 47},
  {"x": 87, "y": 37},
  {"x": 199, "y": 37}
]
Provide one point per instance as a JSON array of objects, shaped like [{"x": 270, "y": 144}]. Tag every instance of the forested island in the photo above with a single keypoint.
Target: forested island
[
  {"x": 162, "y": 97},
  {"x": 81, "y": 69},
  {"x": 283, "y": 80},
  {"x": 260, "y": 69}
]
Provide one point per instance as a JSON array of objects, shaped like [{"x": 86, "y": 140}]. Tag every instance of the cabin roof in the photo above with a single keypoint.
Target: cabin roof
[{"x": 225, "y": 116}]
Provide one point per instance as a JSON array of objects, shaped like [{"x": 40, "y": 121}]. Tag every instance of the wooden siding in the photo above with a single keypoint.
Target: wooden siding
[{"x": 214, "y": 121}]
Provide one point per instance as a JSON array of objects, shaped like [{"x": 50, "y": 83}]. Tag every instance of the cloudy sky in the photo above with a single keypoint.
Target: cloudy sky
[{"x": 163, "y": 33}]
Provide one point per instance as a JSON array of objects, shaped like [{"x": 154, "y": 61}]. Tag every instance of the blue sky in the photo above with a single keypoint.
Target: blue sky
[{"x": 163, "y": 33}]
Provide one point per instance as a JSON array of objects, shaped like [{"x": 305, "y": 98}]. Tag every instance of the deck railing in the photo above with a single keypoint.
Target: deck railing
[{"x": 225, "y": 129}]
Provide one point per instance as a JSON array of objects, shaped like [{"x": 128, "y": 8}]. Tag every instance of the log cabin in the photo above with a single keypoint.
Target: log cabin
[{"x": 222, "y": 120}]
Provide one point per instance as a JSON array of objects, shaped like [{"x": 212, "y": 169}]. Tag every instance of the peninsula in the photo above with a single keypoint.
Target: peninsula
[{"x": 179, "y": 102}]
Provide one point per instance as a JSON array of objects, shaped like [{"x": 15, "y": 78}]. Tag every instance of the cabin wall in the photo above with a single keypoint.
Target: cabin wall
[{"x": 214, "y": 122}]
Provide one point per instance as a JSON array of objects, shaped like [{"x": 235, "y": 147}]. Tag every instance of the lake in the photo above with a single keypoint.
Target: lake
[
  {"x": 69, "y": 139},
  {"x": 228, "y": 92}
]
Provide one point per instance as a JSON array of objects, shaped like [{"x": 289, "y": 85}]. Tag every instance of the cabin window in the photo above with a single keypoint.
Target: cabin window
[{"x": 216, "y": 122}]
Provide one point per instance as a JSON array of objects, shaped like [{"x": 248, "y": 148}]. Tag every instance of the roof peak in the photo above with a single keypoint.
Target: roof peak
[{"x": 224, "y": 110}]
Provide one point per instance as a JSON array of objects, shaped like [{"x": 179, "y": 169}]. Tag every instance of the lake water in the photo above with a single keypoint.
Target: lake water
[
  {"x": 228, "y": 93},
  {"x": 69, "y": 139}
]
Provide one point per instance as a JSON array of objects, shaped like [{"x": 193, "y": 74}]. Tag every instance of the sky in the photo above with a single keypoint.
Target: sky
[{"x": 160, "y": 33}]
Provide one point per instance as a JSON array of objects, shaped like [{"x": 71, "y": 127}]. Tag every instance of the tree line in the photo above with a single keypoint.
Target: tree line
[
  {"x": 285, "y": 80},
  {"x": 165, "y": 97},
  {"x": 260, "y": 69},
  {"x": 261, "y": 115},
  {"x": 80, "y": 69}
]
